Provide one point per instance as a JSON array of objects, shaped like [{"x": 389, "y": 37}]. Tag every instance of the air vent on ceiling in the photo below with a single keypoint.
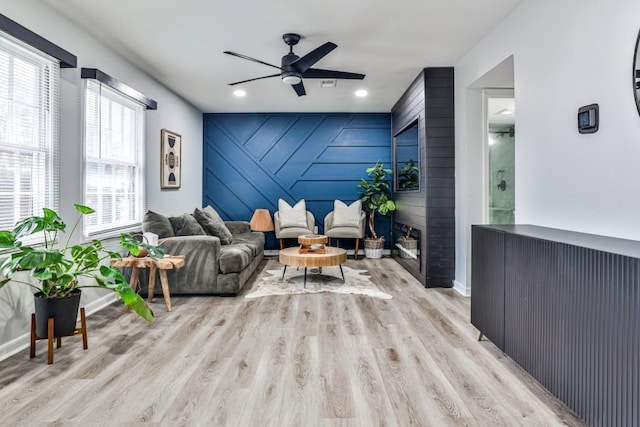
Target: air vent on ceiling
[{"x": 328, "y": 83}]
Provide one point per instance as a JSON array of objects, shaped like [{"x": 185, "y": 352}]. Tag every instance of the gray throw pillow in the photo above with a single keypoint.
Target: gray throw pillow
[
  {"x": 158, "y": 224},
  {"x": 213, "y": 224},
  {"x": 186, "y": 225}
]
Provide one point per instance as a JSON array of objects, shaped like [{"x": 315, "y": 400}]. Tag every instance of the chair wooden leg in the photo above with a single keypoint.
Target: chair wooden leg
[
  {"x": 281, "y": 244},
  {"x": 355, "y": 253}
]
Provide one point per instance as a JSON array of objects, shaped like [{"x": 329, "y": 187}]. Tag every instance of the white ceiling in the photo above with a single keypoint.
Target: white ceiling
[
  {"x": 180, "y": 43},
  {"x": 501, "y": 112}
]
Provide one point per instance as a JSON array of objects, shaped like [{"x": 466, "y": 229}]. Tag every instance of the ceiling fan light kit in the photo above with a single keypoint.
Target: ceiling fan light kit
[
  {"x": 294, "y": 69},
  {"x": 291, "y": 78}
]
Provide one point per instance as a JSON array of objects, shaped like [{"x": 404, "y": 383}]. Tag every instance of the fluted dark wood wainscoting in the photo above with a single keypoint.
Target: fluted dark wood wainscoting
[{"x": 566, "y": 307}]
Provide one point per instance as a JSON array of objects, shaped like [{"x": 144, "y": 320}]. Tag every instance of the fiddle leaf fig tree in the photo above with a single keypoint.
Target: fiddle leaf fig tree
[
  {"x": 59, "y": 271},
  {"x": 374, "y": 194}
]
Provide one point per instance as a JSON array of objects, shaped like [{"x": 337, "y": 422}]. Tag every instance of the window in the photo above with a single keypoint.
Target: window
[
  {"x": 29, "y": 108},
  {"x": 114, "y": 159}
]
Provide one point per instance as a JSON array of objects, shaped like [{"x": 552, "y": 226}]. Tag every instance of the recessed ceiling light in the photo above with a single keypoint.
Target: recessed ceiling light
[
  {"x": 361, "y": 93},
  {"x": 239, "y": 93}
]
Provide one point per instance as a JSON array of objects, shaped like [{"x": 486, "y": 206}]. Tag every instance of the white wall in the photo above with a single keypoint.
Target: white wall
[
  {"x": 173, "y": 113},
  {"x": 567, "y": 53}
]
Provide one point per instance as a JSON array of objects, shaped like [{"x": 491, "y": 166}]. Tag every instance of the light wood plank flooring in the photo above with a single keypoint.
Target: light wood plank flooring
[{"x": 301, "y": 360}]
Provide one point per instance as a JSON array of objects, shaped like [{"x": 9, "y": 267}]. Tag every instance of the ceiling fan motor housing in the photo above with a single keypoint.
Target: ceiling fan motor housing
[{"x": 290, "y": 75}]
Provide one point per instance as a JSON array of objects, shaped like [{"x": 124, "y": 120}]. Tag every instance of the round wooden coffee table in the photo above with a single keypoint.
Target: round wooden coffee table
[{"x": 331, "y": 257}]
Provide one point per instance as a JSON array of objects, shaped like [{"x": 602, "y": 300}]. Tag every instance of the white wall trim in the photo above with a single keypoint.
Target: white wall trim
[
  {"x": 461, "y": 288},
  {"x": 24, "y": 341}
]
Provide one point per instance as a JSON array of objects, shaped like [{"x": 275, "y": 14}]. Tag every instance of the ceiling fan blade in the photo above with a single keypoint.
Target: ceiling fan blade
[
  {"x": 317, "y": 73},
  {"x": 257, "y": 78},
  {"x": 304, "y": 63},
  {"x": 248, "y": 58},
  {"x": 299, "y": 88}
]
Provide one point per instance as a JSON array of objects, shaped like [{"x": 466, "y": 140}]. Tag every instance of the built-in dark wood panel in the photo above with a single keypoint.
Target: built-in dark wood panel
[
  {"x": 440, "y": 156},
  {"x": 429, "y": 99},
  {"x": 411, "y": 205}
]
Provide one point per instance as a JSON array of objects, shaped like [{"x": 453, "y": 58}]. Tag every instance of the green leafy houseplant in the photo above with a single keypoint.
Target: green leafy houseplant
[
  {"x": 374, "y": 194},
  {"x": 408, "y": 176},
  {"x": 59, "y": 270}
]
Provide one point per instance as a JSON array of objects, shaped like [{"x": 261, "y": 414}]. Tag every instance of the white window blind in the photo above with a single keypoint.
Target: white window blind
[
  {"x": 29, "y": 117},
  {"x": 114, "y": 159}
]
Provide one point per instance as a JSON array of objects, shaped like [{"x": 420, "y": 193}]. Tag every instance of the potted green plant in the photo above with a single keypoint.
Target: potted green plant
[
  {"x": 374, "y": 195},
  {"x": 408, "y": 176},
  {"x": 59, "y": 272}
]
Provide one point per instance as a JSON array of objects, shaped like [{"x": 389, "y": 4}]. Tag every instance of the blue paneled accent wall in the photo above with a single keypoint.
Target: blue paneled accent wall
[{"x": 252, "y": 160}]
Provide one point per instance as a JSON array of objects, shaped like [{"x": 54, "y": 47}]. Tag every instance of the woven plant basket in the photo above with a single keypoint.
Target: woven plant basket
[
  {"x": 410, "y": 244},
  {"x": 373, "y": 248}
]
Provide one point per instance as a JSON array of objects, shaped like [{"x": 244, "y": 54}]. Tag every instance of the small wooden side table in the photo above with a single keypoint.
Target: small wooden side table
[
  {"x": 307, "y": 240},
  {"x": 169, "y": 262}
]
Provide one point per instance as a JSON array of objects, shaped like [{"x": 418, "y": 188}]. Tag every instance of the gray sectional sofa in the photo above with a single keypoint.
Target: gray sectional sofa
[{"x": 215, "y": 264}]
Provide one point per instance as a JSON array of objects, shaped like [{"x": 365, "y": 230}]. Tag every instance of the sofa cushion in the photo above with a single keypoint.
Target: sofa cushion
[
  {"x": 213, "y": 224},
  {"x": 254, "y": 241},
  {"x": 158, "y": 224},
  {"x": 186, "y": 225},
  {"x": 234, "y": 258},
  {"x": 346, "y": 216},
  {"x": 295, "y": 216}
]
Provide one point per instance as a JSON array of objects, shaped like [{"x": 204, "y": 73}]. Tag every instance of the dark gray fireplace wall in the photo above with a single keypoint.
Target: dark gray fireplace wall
[{"x": 432, "y": 209}]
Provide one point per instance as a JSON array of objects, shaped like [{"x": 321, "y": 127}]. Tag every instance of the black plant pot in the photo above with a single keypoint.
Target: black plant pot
[{"x": 64, "y": 311}]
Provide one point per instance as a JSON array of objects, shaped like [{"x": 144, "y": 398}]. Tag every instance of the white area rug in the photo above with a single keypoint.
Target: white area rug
[{"x": 356, "y": 282}]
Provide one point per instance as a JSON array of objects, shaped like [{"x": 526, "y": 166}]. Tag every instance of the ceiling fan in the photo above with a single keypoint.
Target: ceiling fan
[{"x": 294, "y": 69}]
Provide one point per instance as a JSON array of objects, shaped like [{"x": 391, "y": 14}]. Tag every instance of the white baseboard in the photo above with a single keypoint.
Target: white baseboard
[
  {"x": 24, "y": 341},
  {"x": 14, "y": 346},
  {"x": 461, "y": 288},
  {"x": 100, "y": 303}
]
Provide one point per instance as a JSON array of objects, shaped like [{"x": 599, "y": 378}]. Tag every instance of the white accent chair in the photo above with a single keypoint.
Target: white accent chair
[
  {"x": 353, "y": 229},
  {"x": 292, "y": 226}
]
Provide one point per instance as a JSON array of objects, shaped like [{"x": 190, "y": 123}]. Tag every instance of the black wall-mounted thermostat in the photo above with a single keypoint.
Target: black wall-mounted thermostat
[{"x": 588, "y": 118}]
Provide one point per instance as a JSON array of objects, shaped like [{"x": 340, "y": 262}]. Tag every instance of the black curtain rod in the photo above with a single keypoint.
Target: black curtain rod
[
  {"x": 67, "y": 60},
  {"x": 95, "y": 74}
]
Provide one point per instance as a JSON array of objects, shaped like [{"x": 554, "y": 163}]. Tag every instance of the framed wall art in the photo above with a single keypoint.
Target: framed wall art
[{"x": 171, "y": 164}]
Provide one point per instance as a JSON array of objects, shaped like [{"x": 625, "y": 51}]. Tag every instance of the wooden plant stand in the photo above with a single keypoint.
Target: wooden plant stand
[{"x": 50, "y": 327}]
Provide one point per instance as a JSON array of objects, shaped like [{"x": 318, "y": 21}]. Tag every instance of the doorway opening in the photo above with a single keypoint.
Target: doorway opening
[{"x": 500, "y": 110}]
